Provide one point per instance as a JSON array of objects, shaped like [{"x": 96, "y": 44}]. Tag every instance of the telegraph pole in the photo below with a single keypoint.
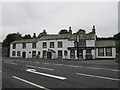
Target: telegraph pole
[{"x": 77, "y": 45}]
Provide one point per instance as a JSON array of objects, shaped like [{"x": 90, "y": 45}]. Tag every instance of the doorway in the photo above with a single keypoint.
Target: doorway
[
  {"x": 24, "y": 54},
  {"x": 49, "y": 55}
]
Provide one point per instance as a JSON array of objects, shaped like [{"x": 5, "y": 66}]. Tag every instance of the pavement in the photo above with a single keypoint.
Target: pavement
[{"x": 52, "y": 74}]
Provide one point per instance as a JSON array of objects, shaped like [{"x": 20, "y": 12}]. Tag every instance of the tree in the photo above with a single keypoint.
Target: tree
[
  {"x": 44, "y": 33},
  {"x": 117, "y": 36},
  {"x": 10, "y": 38},
  {"x": 27, "y": 36},
  {"x": 63, "y": 31}
]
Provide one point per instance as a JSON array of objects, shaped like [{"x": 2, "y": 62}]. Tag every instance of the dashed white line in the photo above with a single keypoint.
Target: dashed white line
[
  {"x": 37, "y": 62},
  {"x": 40, "y": 67},
  {"x": 44, "y": 74},
  {"x": 47, "y": 63},
  {"x": 58, "y": 64},
  {"x": 14, "y": 63},
  {"x": 98, "y": 76},
  {"x": 31, "y": 83}
]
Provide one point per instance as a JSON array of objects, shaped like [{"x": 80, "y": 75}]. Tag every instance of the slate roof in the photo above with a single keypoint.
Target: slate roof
[
  {"x": 105, "y": 43},
  {"x": 55, "y": 36},
  {"x": 26, "y": 41}
]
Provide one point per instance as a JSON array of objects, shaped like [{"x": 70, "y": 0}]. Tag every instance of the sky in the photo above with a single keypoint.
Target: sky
[{"x": 33, "y": 17}]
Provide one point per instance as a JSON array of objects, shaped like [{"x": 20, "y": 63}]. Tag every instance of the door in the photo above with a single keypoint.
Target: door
[
  {"x": 49, "y": 55},
  {"x": 24, "y": 54},
  {"x": 59, "y": 53}
]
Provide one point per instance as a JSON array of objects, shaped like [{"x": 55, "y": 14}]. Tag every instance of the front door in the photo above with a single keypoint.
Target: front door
[
  {"x": 24, "y": 54},
  {"x": 59, "y": 53},
  {"x": 49, "y": 55}
]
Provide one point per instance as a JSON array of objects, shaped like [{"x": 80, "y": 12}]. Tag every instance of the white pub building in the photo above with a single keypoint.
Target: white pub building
[{"x": 80, "y": 45}]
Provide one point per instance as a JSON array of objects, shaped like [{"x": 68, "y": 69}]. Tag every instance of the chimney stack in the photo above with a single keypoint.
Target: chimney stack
[
  {"x": 70, "y": 31},
  {"x": 93, "y": 29}
]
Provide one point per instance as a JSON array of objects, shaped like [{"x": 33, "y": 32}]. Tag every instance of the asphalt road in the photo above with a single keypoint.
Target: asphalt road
[{"x": 49, "y": 74}]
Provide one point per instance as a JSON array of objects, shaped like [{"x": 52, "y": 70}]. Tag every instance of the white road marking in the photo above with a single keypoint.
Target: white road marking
[
  {"x": 37, "y": 62},
  {"x": 47, "y": 63},
  {"x": 11, "y": 63},
  {"x": 40, "y": 67},
  {"x": 92, "y": 68},
  {"x": 98, "y": 76},
  {"x": 44, "y": 74},
  {"x": 14, "y": 63},
  {"x": 58, "y": 64},
  {"x": 31, "y": 83}
]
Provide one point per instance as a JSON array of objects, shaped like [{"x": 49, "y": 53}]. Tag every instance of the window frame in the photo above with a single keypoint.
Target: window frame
[
  {"x": 108, "y": 52},
  {"x": 18, "y": 53},
  {"x": 33, "y": 45},
  {"x": 51, "y": 46},
  {"x": 14, "y": 46},
  {"x": 24, "y": 45},
  {"x": 65, "y": 52},
  {"x": 44, "y": 44},
  {"x": 100, "y": 52},
  {"x": 13, "y": 53},
  {"x": 60, "y": 45}
]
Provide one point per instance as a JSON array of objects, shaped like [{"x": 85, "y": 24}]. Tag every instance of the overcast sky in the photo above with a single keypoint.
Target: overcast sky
[{"x": 33, "y": 17}]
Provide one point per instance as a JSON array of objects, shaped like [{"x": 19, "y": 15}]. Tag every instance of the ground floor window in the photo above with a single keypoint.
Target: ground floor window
[
  {"x": 33, "y": 53},
  {"x": 108, "y": 51},
  {"x": 44, "y": 54},
  {"x": 100, "y": 51},
  {"x": 59, "y": 53},
  {"x": 65, "y": 53},
  {"x": 13, "y": 53},
  {"x": 18, "y": 53},
  {"x": 72, "y": 53}
]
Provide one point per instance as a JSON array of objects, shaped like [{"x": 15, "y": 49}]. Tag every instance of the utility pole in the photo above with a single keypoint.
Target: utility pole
[{"x": 77, "y": 38}]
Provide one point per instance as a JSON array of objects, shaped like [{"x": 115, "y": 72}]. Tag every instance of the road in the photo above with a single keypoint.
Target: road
[{"x": 50, "y": 74}]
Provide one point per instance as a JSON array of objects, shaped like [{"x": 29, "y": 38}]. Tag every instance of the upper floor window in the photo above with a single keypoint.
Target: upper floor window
[
  {"x": 33, "y": 45},
  {"x": 51, "y": 44},
  {"x": 44, "y": 45},
  {"x": 24, "y": 45},
  {"x": 108, "y": 51},
  {"x": 59, "y": 44},
  {"x": 100, "y": 51},
  {"x": 14, "y": 46}
]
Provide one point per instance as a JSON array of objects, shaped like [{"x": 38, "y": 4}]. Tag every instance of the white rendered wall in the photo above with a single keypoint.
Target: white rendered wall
[{"x": 65, "y": 45}]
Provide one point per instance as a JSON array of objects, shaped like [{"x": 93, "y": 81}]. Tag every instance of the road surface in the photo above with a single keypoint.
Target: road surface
[{"x": 50, "y": 74}]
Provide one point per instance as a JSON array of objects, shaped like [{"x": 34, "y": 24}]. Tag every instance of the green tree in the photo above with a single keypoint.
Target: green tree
[
  {"x": 10, "y": 38},
  {"x": 117, "y": 36},
  {"x": 63, "y": 31},
  {"x": 27, "y": 36},
  {"x": 44, "y": 33}
]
